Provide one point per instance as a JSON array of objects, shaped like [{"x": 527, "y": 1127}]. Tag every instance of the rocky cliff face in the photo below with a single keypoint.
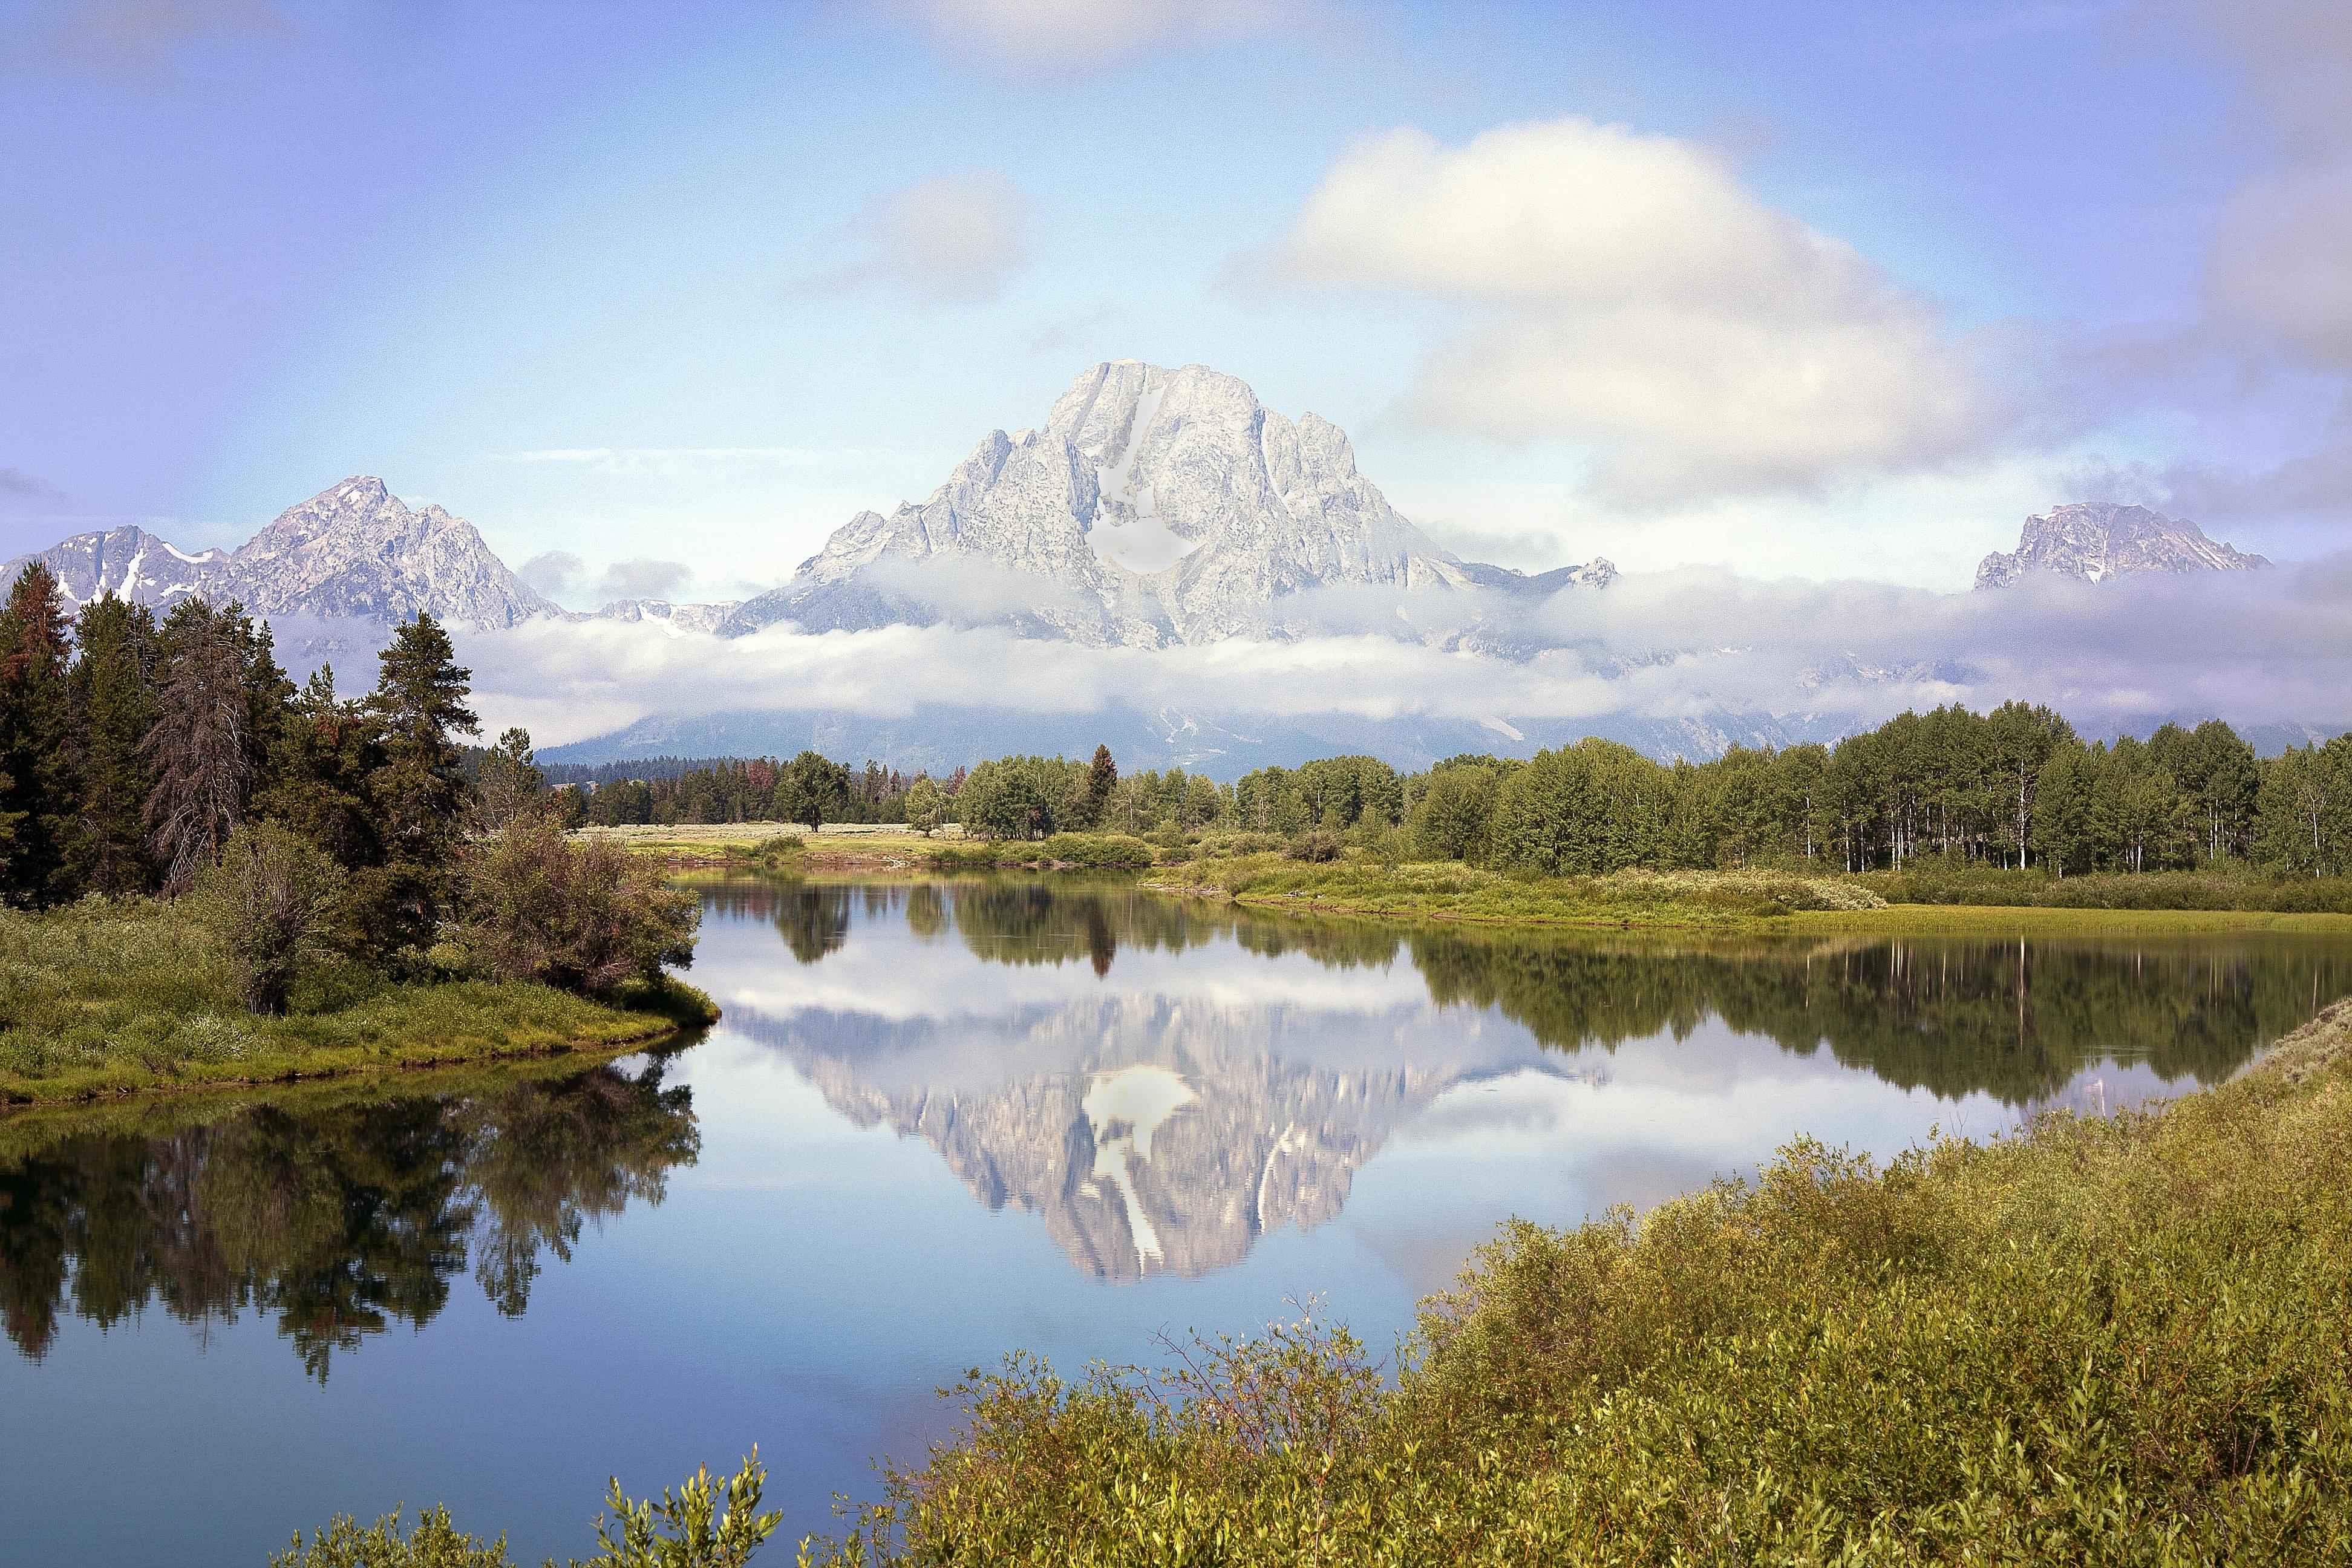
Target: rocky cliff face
[
  {"x": 2101, "y": 540},
  {"x": 1155, "y": 507},
  {"x": 129, "y": 562},
  {"x": 358, "y": 551}
]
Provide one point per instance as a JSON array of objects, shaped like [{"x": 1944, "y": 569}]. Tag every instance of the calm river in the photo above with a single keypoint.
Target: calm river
[{"x": 940, "y": 1122}]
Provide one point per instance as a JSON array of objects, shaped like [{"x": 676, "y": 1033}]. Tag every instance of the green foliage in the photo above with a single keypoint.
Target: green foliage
[
  {"x": 418, "y": 792},
  {"x": 1017, "y": 797},
  {"x": 588, "y": 918},
  {"x": 325, "y": 751},
  {"x": 1063, "y": 851},
  {"x": 1317, "y": 846},
  {"x": 695, "y": 1530},
  {"x": 106, "y": 995},
  {"x": 810, "y": 789},
  {"x": 40, "y": 796},
  {"x": 2100, "y": 1340},
  {"x": 113, "y": 707},
  {"x": 433, "y": 1542},
  {"x": 507, "y": 783},
  {"x": 923, "y": 805},
  {"x": 274, "y": 906}
]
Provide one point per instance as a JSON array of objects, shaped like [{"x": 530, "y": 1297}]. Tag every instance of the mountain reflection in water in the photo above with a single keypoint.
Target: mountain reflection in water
[
  {"x": 1161, "y": 1115},
  {"x": 336, "y": 1210}
]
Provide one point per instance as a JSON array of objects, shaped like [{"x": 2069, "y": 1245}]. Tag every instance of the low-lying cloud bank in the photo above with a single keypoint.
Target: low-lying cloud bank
[{"x": 2256, "y": 648}]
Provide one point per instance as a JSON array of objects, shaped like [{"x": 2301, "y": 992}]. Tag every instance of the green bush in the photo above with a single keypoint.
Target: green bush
[
  {"x": 708, "y": 1525},
  {"x": 2101, "y": 1341},
  {"x": 585, "y": 917},
  {"x": 274, "y": 905},
  {"x": 1314, "y": 846}
]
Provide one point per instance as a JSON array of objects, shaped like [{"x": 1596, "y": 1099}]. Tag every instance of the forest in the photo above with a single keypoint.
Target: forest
[
  {"x": 182, "y": 826},
  {"x": 2016, "y": 788}
]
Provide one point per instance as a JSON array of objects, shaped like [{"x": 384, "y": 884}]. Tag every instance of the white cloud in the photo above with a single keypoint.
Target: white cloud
[
  {"x": 1630, "y": 294},
  {"x": 666, "y": 459},
  {"x": 951, "y": 239},
  {"x": 2253, "y": 648},
  {"x": 1050, "y": 33}
]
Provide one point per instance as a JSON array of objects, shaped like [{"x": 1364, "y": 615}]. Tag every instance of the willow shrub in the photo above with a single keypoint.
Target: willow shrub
[{"x": 2119, "y": 1339}]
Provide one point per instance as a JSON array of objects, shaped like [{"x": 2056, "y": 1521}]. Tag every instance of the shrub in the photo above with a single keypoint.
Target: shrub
[
  {"x": 587, "y": 918},
  {"x": 708, "y": 1525},
  {"x": 274, "y": 905},
  {"x": 1316, "y": 845}
]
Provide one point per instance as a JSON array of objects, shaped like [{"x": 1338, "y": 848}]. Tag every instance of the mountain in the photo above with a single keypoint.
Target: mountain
[
  {"x": 129, "y": 562},
  {"x": 354, "y": 551},
  {"x": 671, "y": 617},
  {"x": 357, "y": 551},
  {"x": 2101, "y": 540},
  {"x": 1155, "y": 507}
]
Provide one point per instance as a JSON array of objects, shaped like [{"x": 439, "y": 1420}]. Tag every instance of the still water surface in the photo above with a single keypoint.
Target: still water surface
[{"x": 937, "y": 1122}]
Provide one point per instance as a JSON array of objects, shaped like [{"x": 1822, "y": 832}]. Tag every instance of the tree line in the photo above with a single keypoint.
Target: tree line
[
  {"x": 175, "y": 756},
  {"x": 2015, "y": 787}
]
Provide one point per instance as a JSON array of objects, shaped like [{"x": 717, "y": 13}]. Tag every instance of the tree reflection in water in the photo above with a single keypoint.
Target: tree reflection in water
[{"x": 337, "y": 1212}]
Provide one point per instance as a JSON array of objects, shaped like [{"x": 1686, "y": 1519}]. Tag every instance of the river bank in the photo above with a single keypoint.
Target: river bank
[
  {"x": 129, "y": 997},
  {"x": 1727, "y": 901}
]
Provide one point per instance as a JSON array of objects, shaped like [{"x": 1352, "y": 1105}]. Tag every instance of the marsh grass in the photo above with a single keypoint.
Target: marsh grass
[
  {"x": 1451, "y": 890},
  {"x": 109, "y": 996},
  {"x": 1061, "y": 852},
  {"x": 2117, "y": 1339}
]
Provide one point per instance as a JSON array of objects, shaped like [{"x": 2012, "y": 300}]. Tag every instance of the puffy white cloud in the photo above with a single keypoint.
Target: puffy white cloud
[
  {"x": 1631, "y": 294},
  {"x": 951, "y": 239},
  {"x": 1034, "y": 34}
]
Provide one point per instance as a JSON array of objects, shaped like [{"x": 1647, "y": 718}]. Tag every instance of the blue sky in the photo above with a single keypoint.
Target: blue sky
[{"x": 691, "y": 284}]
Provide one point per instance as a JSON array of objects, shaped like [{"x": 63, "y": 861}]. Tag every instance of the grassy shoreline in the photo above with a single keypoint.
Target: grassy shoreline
[
  {"x": 103, "y": 1000},
  {"x": 1723, "y": 902}
]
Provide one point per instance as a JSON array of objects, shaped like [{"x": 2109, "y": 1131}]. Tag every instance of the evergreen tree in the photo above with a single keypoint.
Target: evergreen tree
[
  {"x": 327, "y": 748},
  {"x": 1102, "y": 775},
  {"x": 509, "y": 785},
  {"x": 200, "y": 747},
  {"x": 37, "y": 750},
  {"x": 114, "y": 705},
  {"x": 418, "y": 791}
]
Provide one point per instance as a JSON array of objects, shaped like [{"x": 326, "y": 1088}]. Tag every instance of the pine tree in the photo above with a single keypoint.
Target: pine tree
[
  {"x": 326, "y": 749},
  {"x": 419, "y": 790},
  {"x": 200, "y": 747},
  {"x": 37, "y": 742},
  {"x": 114, "y": 705},
  {"x": 509, "y": 785}
]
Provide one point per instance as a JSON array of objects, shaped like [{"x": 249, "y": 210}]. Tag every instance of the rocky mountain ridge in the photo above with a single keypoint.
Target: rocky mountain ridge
[
  {"x": 2099, "y": 542},
  {"x": 1154, "y": 507},
  {"x": 354, "y": 550}
]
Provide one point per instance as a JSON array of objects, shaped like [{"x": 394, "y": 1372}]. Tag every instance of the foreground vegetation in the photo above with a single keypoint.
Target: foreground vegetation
[
  {"x": 2104, "y": 1340},
  {"x": 112, "y": 996}
]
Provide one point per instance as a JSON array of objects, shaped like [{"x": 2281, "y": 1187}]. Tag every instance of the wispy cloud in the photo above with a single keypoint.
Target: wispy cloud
[
  {"x": 952, "y": 240},
  {"x": 1029, "y": 35},
  {"x": 665, "y": 459},
  {"x": 566, "y": 578}
]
